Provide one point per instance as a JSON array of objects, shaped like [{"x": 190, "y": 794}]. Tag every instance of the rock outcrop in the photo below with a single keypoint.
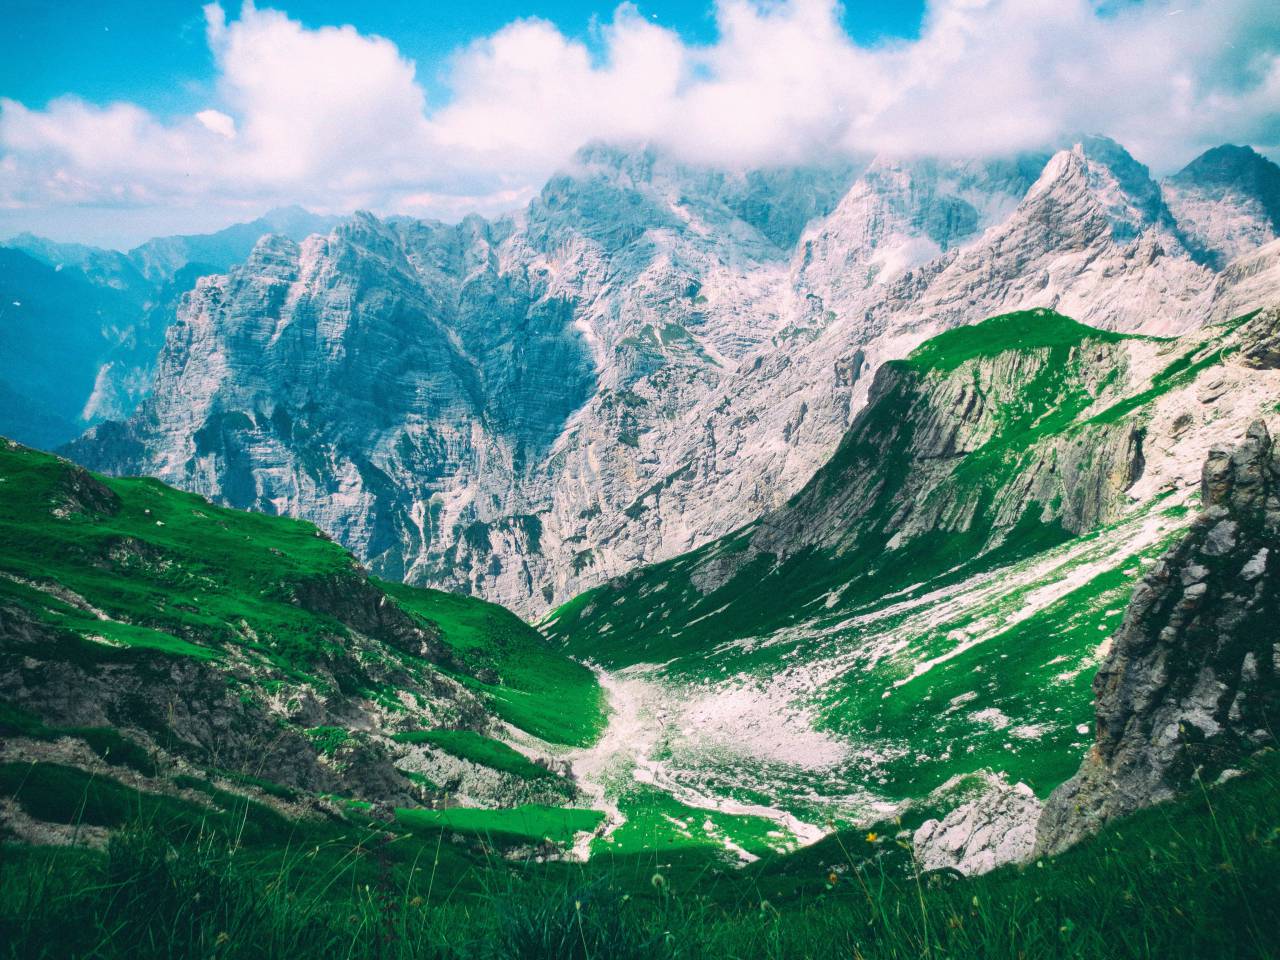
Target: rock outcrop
[
  {"x": 996, "y": 827},
  {"x": 1192, "y": 682}
]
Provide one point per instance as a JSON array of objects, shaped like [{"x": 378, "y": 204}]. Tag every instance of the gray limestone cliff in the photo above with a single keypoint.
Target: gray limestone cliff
[{"x": 646, "y": 358}]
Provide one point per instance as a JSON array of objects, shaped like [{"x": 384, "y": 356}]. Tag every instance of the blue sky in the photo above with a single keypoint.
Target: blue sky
[
  {"x": 124, "y": 120},
  {"x": 154, "y": 53}
]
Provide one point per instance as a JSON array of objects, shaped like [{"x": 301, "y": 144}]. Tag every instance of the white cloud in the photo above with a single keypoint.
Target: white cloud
[
  {"x": 335, "y": 119},
  {"x": 218, "y": 122}
]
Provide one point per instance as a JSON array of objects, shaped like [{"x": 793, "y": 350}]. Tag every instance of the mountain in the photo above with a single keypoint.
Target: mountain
[
  {"x": 923, "y": 616},
  {"x": 59, "y": 328},
  {"x": 1227, "y": 202},
  {"x": 83, "y": 325},
  {"x": 160, "y": 259},
  {"x": 102, "y": 268},
  {"x": 149, "y": 636},
  {"x": 492, "y": 336},
  {"x": 649, "y": 356},
  {"x": 156, "y": 261},
  {"x": 903, "y": 648}
]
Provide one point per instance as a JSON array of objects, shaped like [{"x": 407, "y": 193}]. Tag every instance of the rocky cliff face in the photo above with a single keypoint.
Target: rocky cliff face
[
  {"x": 1192, "y": 682},
  {"x": 646, "y": 358}
]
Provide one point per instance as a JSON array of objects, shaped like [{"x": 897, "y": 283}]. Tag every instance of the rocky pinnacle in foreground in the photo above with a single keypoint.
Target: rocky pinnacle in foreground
[{"x": 1191, "y": 684}]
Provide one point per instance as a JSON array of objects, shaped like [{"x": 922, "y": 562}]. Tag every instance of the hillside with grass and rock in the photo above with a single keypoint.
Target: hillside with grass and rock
[
  {"x": 163, "y": 644},
  {"x": 924, "y": 619}
]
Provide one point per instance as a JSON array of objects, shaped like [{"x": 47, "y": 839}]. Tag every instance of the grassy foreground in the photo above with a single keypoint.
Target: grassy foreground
[{"x": 1196, "y": 878}]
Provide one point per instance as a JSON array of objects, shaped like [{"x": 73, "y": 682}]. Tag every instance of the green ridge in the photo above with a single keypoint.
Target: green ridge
[
  {"x": 1023, "y": 330},
  {"x": 512, "y": 664},
  {"x": 478, "y": 748}
]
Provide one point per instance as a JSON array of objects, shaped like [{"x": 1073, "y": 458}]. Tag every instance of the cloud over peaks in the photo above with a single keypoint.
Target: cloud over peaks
[{"x": 336, "y": 119}]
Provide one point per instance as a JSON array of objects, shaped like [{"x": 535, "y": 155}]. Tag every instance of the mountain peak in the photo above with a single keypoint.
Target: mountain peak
[
  {"x": 1227, "y": 202},
  {"x": 1099, "y": 173},
  {"x": 1121, "y": 184},
  {"x": 1231, "y": 165}
]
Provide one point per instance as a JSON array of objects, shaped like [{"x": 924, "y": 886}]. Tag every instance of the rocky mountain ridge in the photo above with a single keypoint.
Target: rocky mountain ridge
[{"x": 636, "y": 364}]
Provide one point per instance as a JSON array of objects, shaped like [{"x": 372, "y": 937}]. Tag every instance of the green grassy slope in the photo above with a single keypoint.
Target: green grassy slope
[
  {"x": 130, "y": 563},
  {"x": 662, "y": 611},
  {"x": 477, "y": 748},
  {"x": 933, "y": 602},
  {"x": 204, "y": 649},
  {"x": 162, "y": 569},
  {"x": 1196, "y": 878},
  {"x": 511, "y": 664},
  {"x": 167, "y": 570}
]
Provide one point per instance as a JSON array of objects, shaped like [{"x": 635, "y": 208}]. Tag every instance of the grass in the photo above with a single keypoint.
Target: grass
[
  {"x": 529, "y": 823},
  {"x": 477, "y": 748},
  {"x": 70, "y": 796},
  {"x": 1032, "y": 678},
  {"x": 1197, "y": 878},
  {"x": 167, "y": 570},
  {"x": 512, "y": 665},
  {"x": 1023, "y": 330},
  {"x": 156, "y": 569},
  {"x": 107, "y": 742},
  {"x": 657, "y": 821}
]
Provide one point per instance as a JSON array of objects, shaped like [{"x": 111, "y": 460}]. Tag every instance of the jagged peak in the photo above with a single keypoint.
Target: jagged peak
[
  {"x": 1124, "y": 186},
  {"x": 1101, "y": 169},
  {"x": 273, "y": 253}
]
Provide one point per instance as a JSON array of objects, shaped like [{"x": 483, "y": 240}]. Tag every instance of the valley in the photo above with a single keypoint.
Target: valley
[{"x": 727, "y": 532}]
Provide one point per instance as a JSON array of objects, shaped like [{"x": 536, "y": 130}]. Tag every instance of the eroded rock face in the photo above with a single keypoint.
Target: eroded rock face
[
  {"x": 995, "y": 828},
  {"x": 644, "y": 360},
  {"x": 1192, "y": 682},
  {"x": 1261, "y": 348}
]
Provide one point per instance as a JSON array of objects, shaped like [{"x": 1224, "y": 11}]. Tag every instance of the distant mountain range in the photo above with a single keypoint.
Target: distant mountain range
[{"x": 82, "y": 326}]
